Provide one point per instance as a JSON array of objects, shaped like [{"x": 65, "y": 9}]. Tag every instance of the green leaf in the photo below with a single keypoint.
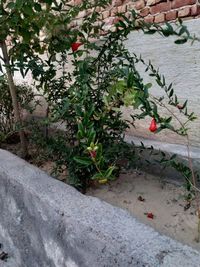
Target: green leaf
[
  {"x": 182, "y": 30},
  {"x": 120, "y": 24},
  {"x": 150, "y": 32},
  {"x": 130, "y": 80},
  {"x": 148, "y": 85},
  {"x": 159, "y": 82},
  {"x": 48, "y": 2},
  {"x": 19, "y": 4},
  {"x": 173, "y": 157},
  {"x": 28, "y": 10},
  {"x": 171, "y": 93},
  {"x": 109, "y": 171},
  {"x": 37, "y": 7},
  {"x": 181, "y": 41},
  {"x": 81, "y": 129},
  {"x": 184, "y": 105},
  {"x": 83, "y": 161},
  {"x": 11, "y": 5},
  {"x": 169, "y": 26},
  {"x": 168, "y": 120},
  {"x": 26, "y": 36},
  {"x": 168, "y": 126},
  {"x": 97, "y": 176}
]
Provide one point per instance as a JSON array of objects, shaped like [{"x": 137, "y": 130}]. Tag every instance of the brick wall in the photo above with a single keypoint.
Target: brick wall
[{"x": 152, "y": 10}]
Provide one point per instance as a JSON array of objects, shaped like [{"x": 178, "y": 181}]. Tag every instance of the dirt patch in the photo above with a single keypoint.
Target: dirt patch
[{"x": 155, "y": 202}]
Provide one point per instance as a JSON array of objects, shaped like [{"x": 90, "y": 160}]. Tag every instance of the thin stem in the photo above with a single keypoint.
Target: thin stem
[
  {"x": 188, "y": 153},
  {"x": 15, "y": 103},
  {"x": 98, "y": 169}
]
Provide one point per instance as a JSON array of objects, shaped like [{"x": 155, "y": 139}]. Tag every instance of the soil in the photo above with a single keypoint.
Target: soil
[{"x": 153, "y": 200}]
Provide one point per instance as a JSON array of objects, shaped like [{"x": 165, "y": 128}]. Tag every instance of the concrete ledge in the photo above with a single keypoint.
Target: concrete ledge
[
  {"x": 180, "y": 150},
  {"x": 169, "y": 173},
  {"x": 45, "y": 223}
]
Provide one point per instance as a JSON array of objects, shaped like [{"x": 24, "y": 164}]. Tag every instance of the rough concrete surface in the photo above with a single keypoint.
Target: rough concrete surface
[{"x": 45, "y": 223}]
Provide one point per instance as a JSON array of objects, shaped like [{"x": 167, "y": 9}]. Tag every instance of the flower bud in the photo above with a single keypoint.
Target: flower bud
[
  {"x": 93, "y": 154},
  {"x": 153, "y": 127},
  {"x": 75, "y": 46}
]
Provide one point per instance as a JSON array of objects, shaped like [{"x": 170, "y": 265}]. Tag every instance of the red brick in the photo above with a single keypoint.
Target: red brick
[
  {"x": 171, "y": 15},
  {"x": 182, "y": 3},
  {"x": 144, "y": 12},
  {"x": 185, "y": 12},
  {"x": 78, "y": 2},
  {"x": 117, "y": 3},
  {"x": 82, "y": 14},
  {"x": 113, "y": 11},
  {"x": 89, "y": 11},
  {"x": 130, "y": 6},
  {"x": 195, "y": 10},
  {"x": 128, "y": 14},
  {"x": 115, "y": 20},
  {"x": 122, "y": 9},
  {"x": 98, "y": 9},
  {"x": 79, "y": 22},
  {"x": 149, "y": 19},
  {"x": 71, "y": 3},
  {"x": 139, "y": 4},
  {"x": 103, "y": 33},
  {"x": 162, "y": 7},
  {"x": 154, "y": 2},
  {"x": 105, "y": 14},
  {"x": 159, "y": 18},
  {"x": 109, "y": 21},
  {"x": 73, "y": 23}
]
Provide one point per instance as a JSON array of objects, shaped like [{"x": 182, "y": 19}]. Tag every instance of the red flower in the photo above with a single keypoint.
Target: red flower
[
  {"x": 150, "y": 215},
  {"x": 153, "y": 127},
  {"x": 93, "y": 154},
  {"x": 75, "y": 46}
]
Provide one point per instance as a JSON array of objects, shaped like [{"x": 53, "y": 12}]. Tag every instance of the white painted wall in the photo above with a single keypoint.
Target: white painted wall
[{"x": 180, "y": 64}]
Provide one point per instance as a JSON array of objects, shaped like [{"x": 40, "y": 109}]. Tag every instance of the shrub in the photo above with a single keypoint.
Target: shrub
[
  {"x": 89, "y": 98},
  {"x": 25, "y": 96}
]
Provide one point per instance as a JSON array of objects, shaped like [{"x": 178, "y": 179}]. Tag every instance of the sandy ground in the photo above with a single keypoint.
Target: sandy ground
[{"x": 166, "y": 201}]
